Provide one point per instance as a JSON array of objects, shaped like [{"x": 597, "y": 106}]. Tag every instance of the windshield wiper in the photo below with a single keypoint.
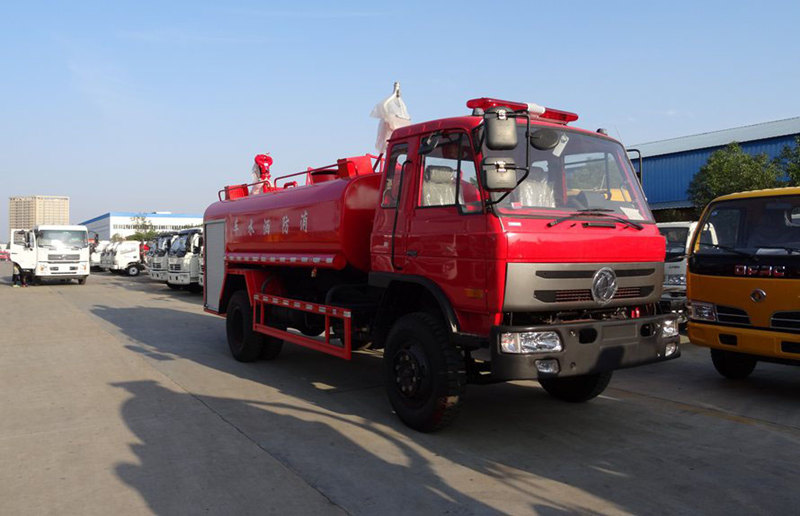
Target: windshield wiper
[
  {"x": 726, "y": 248},
  {"x": 595, "y": 212},
  {"x": 789, "y": 250}
]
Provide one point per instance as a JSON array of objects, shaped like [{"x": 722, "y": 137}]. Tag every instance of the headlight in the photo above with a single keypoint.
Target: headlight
[
  {"x": 669, "y": 328},
  {"x": 675, "y": 279},
  {"x": 702, "y": 311},
  {"x": 530, "y": 342}
]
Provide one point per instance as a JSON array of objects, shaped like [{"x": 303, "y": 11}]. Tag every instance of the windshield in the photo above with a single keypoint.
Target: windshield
[
  {"x": 179, "y": 246},
  {"x": 754, "y": 226},
  {"x": 62, "y": 239},
  {"x": 676, "y": 241},
  {"x": 162, "y": 246},
  {"x": 581, "y": 172}
]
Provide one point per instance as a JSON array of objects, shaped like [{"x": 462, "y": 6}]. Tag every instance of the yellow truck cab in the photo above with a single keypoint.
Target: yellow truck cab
[{"x": 743, "y": 281}]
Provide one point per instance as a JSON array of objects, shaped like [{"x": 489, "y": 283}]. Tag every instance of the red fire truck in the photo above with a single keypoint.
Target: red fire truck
[{"x": 502, "y": 245}]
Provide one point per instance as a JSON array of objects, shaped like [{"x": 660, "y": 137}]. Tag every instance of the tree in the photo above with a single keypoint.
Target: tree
[
  {"x": 117, "y": 238},
  {"x": 144, "y": 228},
  {"x": 732, "y": 170},
  {"x": 789, "y": 162}
]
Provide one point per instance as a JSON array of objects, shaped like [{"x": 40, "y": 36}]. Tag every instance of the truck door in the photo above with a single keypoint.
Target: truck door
[
  {"x": 23, "y": 249},
  {"x": 447, "y": 239},
  {"x": 388, "y": 240}
]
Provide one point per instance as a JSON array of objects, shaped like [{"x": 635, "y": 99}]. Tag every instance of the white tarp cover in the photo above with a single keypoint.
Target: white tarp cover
[{"x": 392, "y": 114}]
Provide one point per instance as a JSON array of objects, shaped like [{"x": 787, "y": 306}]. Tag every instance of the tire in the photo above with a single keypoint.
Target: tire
[
  {"x": 247, "y": 345},
  {"x": 425, "y": 373},
  {"x": 132, "y": 270},
  {"x": 82, "y": 281},
  {"x": 735, "y": 366},
  {"x": 576, "y": 389},
  {"x": 173, "y": 286}
]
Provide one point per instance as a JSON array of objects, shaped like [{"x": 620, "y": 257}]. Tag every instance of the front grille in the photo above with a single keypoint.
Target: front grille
[
  {"x": 785, "y": 320},
  {"x": 578, "y": 295},
  {"x": 730, "y": 315},
  {"x": 155, "y": 266},
  {"x": 175, "y": 267},
  {"x": 63, "y": 257}
]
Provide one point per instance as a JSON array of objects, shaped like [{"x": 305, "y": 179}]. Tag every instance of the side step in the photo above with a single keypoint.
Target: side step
[{"x": 260, "y": 301}]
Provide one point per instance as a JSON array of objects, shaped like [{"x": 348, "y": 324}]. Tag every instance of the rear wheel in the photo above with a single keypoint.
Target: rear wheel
[
  {"x": 576, "y": 389},
  {"x": 246, "y": 344},
  {"x": 735, "y": 366},
  {"x": 425, "y": 374}
]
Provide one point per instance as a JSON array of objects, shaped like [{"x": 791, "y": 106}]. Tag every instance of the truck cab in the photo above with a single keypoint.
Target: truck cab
[
  {"x": 184, "y": 260},
  {"x": 97, "y": 252},
  {"x": 744, "y": 280},
  {"x": 51, "y": 252},
  {"x": 159, "y": 261},
  {"x": 678, "y": 236}
]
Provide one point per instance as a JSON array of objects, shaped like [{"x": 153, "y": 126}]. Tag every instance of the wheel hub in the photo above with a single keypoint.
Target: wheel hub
[{"x": 409, "y": 373}]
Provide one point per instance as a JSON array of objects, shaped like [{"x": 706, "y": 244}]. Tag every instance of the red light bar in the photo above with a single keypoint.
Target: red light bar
[
  {"x": 557, "y": 115},
  {"x": 486, "y": 103},
  {"x": 553, "y": 115}
]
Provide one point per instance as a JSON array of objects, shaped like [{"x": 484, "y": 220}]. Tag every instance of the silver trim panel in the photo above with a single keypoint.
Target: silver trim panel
[{"x": 523, "y": 279}]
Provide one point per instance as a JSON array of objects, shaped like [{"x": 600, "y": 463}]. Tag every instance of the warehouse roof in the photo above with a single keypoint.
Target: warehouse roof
[{"x": 745, "y": 133}]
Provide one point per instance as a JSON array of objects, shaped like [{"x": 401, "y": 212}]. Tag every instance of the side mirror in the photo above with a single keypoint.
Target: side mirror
[
  {"x": 501, "y": 129},
  {"x": 499, "y": 174},
  {"x": 429, "y": 143},
  {"x": 29, "y": 240}
]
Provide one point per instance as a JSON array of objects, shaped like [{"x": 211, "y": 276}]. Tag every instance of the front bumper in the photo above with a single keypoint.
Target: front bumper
[
  {"x": 588, "y": 347},
  {"x": 180, "y": 278},
  {"x": 759, "y": 342},
  {"x": 159, "y": 275},
  {"x": 62, "y": 270}
]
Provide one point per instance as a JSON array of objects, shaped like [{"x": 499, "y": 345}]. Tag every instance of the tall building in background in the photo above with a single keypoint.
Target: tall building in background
[{"x": 26, "y": 212}]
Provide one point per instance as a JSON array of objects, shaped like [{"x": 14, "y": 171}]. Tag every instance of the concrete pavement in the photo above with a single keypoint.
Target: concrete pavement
[{"x": 121, "y": 396}]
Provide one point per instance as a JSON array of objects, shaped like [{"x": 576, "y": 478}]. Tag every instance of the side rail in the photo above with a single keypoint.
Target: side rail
[{"x": 260, "y": 302}]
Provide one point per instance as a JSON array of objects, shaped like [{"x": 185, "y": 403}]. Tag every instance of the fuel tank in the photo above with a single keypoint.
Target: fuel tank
[{"x": 325, "y": 224}]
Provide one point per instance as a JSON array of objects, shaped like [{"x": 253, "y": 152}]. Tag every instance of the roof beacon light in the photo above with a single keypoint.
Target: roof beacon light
[{"x": 550, "y": 114}]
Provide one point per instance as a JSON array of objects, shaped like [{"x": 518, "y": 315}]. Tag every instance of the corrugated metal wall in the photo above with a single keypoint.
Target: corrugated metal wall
[{"x": 667, "y": 177}]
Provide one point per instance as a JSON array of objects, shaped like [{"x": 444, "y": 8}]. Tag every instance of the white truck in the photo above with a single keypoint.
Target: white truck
[
  {"x": 96, "y": 253},
  {"x": 125, "y": 256},
  {"x": 159, "y": 260},
  {"x": 679, "y": 236},
  {"x": 51, "y": 252},
  {"x": 184, "y": 260}
]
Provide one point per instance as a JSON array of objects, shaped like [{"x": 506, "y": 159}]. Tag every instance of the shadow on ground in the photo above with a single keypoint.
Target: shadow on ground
[{"x": 513, "y": 449}]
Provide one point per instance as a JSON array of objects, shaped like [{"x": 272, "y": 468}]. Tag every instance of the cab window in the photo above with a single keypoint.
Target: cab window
[
  {"x": 394, "y": 173},
  {"x": 449, "y": 177}
]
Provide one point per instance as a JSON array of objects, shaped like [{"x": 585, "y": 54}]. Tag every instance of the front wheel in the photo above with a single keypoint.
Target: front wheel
[
  {"x": 576, "y": 389},
  {"x": 174, "y": 286},
  {"x": 425, "y": 374},
  {"x": 82, "y": 281},
  {"x": 735, "y": 366},
  {"x": 132, "y": 270}
]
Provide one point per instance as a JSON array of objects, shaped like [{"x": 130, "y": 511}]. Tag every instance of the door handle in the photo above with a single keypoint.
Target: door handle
[{"x": 412, "y": 252}]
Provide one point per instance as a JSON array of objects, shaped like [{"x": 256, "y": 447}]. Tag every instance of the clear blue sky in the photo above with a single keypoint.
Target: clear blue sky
[{"x": 143, "y": 106}]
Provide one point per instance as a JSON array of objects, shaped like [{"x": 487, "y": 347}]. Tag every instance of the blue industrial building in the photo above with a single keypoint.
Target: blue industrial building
[{"x": 670, "y": 165}]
